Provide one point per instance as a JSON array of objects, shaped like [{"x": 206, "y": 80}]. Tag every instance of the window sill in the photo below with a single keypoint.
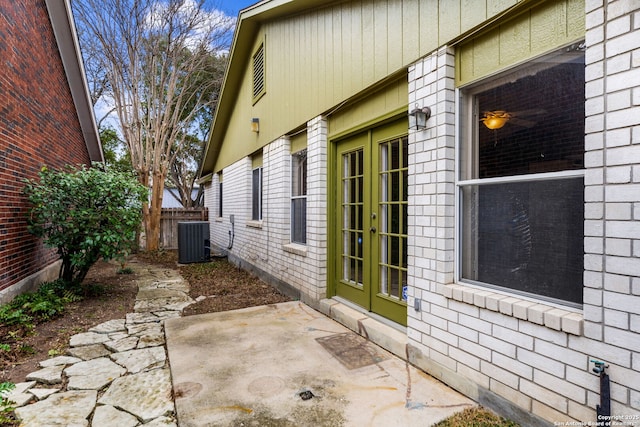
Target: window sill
[
  {"x": 254, "y": 224},
  {"x": 541, "y": 314},
  {"x": 295, "y": 248}
]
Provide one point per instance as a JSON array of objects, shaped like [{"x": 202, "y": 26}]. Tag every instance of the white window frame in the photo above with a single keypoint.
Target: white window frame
[
  {"x": 466, "y": 125},
  {"x": 220, "y": 200},
  {"x": 258, "y": 193},
  {"x": 298, "y": 197}
]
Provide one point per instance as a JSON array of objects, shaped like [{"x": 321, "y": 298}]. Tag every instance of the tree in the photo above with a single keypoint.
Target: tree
[
  {"x": 86, "y": 213},
  {"x": 157, "y": 57},
  {"x": 184, "y": 170},
  {"x": 112, "y": 147}
]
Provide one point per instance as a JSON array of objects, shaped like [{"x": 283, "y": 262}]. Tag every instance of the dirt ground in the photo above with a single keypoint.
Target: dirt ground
[{"x": 111, "y": 296}]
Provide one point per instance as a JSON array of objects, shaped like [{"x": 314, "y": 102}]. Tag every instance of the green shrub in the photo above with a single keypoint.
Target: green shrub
[
  {"x": 47, "y": 302},
  {"x": 6, "y": 406},
  {"x": 11, "y": 315},
  {"x": 86, "y": 213}
]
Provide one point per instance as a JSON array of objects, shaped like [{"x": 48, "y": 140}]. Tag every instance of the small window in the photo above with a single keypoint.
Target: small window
[
  {"x": 299, "y": 197},
  {"x": 220, "y": 200},
  {"x": 521, "y": 180},
  {"x": 259, "y": 88},
  {"x": 256, "y": 194},
  {"x": 219, "y": 207}
]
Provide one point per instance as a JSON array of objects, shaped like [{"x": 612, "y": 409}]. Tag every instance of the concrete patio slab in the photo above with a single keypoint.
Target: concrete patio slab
[{"x": 289, "y": 365}]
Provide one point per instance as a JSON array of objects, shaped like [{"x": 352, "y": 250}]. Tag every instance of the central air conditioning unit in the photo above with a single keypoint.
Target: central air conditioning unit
[{"x": 193, "y": 242}]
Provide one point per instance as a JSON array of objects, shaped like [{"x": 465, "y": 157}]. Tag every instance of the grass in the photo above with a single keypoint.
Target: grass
[{"x": 476, "y": 417}]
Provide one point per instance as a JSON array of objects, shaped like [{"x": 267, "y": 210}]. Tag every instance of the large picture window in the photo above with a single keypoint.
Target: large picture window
[
  {"x": 521, "y": 180},
  {"x": 299, "y": 197}
]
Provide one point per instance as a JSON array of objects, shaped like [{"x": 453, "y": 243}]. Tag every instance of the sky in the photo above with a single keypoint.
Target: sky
[
  {"x": 232, "y": 7},
  {"x": 228, "y": 7}
]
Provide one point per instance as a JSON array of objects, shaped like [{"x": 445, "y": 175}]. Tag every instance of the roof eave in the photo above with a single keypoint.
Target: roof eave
[
  {"x": 249, "y": 20},
  {"x": 65, "y": 33}
]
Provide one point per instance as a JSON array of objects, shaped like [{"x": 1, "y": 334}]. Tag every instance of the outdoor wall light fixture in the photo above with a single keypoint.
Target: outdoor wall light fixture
[
  {"x": 418, "y": 118},
  {"x": 255, "y": 125},
  {"x": 495, "y": 119}
]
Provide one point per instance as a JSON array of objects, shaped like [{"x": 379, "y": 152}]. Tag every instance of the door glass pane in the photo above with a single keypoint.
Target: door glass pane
[
  {"x": 352, "y": 216},
  {"x": 393, "y": 217}
]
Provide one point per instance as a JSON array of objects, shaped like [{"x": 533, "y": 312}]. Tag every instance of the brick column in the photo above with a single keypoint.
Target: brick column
[
  {"x": 431, "y": 183},
  {"x": 317, "y": 164},
  {"x": 612, "y": 194}
]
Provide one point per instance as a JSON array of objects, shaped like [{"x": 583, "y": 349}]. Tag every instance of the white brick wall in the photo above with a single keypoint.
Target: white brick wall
[
  {"x": 532, "y": 354},
  {"x": 612, "y": 43},
  {"x": 483, "y": 342},
  {"x": 267, "y": 244}
]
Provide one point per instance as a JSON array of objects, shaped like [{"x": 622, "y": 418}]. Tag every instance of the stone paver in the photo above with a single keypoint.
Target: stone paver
[
  {"x": 43, "y": 393},
  {"x": 110, "y": 416},
  {"x": 60, "y": 360},
  {"x": 117, "y": 373},
  {"x": 71, "y": 408},
  {"x": 93, "y": 374},
  {"x": 89, "y": 352},
  {"x": 109, "y": 327},
  {"x": 87, "y": 338},
  {"x": 50, "y": 375},
  {"x": 146, "y": 395},
  {"x": 122, "y": 344},
  {"x": 162, "y": 422},
  {"x": 141, "y": 360},
  {"x": 20, "y": 394}
]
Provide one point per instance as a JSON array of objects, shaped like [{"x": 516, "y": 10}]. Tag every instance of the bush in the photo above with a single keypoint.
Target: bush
[
  {"x": 87, "y": 214},
  {"x": 47, "y": 302},
  {"x": 6, "y": 406}
]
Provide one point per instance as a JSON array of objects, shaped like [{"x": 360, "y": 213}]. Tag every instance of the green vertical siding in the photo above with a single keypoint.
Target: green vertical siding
[
  {"x": 324, "y": 55},
  {"x": 535, "y": 31}
]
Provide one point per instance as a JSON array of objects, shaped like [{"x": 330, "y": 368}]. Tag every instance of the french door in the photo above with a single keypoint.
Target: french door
[{"x": 371, "y": 220}]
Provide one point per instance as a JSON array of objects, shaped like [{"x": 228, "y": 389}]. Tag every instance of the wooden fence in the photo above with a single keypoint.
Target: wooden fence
[{"x": 169, "y": 220}]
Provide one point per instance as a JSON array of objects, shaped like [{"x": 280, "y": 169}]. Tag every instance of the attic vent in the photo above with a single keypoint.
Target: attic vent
[{"x": 258, "y": 73}]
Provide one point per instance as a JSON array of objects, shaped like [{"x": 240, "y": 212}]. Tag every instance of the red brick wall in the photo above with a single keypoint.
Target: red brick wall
[{"x": 38, "y": 126}]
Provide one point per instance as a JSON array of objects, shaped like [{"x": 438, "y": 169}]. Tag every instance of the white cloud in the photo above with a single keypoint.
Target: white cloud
[{"x": 209, "y": 23}]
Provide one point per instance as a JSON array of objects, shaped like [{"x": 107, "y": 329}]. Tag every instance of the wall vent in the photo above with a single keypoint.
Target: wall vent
[{"x": 193, "y": 242}]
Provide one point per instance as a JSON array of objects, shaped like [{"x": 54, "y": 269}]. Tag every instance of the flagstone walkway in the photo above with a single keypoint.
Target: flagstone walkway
[{"x": 117, "y": 373}]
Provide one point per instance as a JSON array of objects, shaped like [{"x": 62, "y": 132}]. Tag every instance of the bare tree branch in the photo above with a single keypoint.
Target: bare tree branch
[{"x": 154, "y": 55}]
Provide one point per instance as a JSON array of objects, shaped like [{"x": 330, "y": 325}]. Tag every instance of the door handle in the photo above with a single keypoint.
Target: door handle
[{"x": 373, "y": 229}]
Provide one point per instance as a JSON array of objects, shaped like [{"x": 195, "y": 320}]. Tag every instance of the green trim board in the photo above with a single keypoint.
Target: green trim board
[
  {"x": 256, "y": 159},
  {"x": 298, "y": 142}
]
